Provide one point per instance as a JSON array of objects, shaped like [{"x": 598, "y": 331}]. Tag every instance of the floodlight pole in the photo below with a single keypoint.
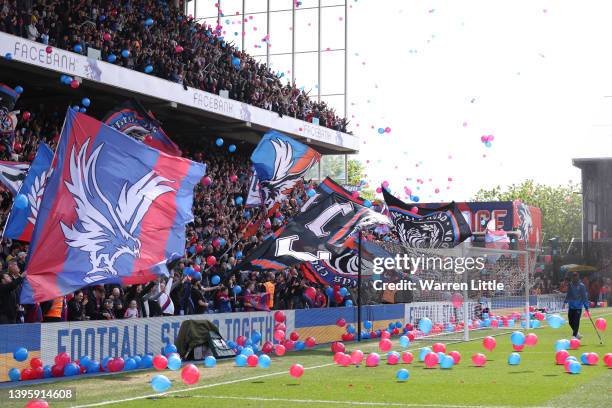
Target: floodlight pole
[
  {"x": 466, "y": 310},
  {"x": 359, "y": 234}
]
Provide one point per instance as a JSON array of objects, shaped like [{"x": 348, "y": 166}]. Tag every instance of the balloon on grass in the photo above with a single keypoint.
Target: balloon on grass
[
  {"x": 385, "y": 345},
  {"x": 404, "y": 341},
  {"x": 592, "y": 358},
  {"x": 608, "y": 360},
  {"x": 456, "y": 356},
  {"x": 574, "y": 344},
  {"x": 252, "y": 360},
  {"x": 531, "y": 339},
  {"x": 402, "y": 374},
  {"x": 393, "y": 358},
  {"x": 489, "y": 343},
  {"x": 601, "y": 324},
  {"x": 447, "y": 362},
  {"x": 479, "y": 359},
  {"x": 423, "y": 352},
  {"x": 279, "y": 350},
  {"x": 37, "y": 403},
  {"x": 425, "y": 325},
  {"x": 431, "y": 359},
  {"x": 372, "y": 360},
  {"x": 514, "y": 358},
  {"x": 560, "y": 356},
  {"x": 296, "y": 370},
  {"x": 407, "y": 357},
  {"x": 554, "y": 321},
  {"x": 160, "y": 383},
  {"x": 190, "y": 374},
  {"x": 575, "y": 367},
  {"x": 240, "y": 360},
  {"x": 210, "y": 361},
  {"x": 264, "y": 361},
  {"x": 562, "y": 344},
  {"x": 517, "y": 338},
  {"x": 356, "y": 357}
]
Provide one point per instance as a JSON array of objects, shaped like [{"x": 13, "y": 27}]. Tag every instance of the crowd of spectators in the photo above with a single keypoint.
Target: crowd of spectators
[
  {"x": 218, "y": 230},
  {"x": 174, "y": 47}
]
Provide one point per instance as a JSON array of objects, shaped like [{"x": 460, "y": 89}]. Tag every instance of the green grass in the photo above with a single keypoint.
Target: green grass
[{"x": 537, "y": 381}]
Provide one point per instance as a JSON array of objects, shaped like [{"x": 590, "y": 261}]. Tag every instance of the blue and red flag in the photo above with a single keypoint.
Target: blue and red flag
[
  {"x": 21, "y": 221},
  {"x": 132, "y": 119},
  {"x": 114, "y": 211},
  {"x": 280, "y": 162},
  {"x": 12, "y": 175}
]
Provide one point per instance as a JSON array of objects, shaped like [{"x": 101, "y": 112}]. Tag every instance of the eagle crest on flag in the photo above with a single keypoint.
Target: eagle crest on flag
[{"x": 105, "y": 238}]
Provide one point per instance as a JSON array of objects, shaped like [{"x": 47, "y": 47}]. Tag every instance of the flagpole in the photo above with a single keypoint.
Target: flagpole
[{"x": 359, "y": 288}]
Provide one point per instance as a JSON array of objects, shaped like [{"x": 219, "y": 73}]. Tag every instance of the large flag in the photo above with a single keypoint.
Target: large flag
[
  {"x": 21, "y": 221},
  {"x": 254, "y": 195},
  {"x": 113, "y": 211},
  {"x": 12, "y": 175},
  {"x": 442, "y": 227},
  {"x": 315, "y": 234},
  {"x": 280, "y": 162},
  {"x": 135, "y": 121}
]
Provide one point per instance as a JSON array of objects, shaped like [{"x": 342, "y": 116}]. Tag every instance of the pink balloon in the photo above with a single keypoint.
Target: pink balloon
[
  {"x": 344, "y": 360},
  {"x": 190, "y": 374},
  {"x": 385, "y": 345},
  {"x": 531, "y": 339},
  {"x": 385, "y": 184},
  {"x": 439, "y": 348},
  {"x": 385, "y": 334},
  {"x": 601, "y": 324},
  {"x": 608, "y": 360},
  {"x": 393, "y": 358},
  {"x": 483, "y": 139},
  {"x": 252, "y": 360},
  {"x": 479, "y": 359},
  {"x": 279, "y": 350},
  {"x": 574, "y": 344},
  {"x": 337, "y": 346},
  {"x": 414, "y": 210},
  {"x": 206, "y": 181},
  {"x": 355, "y": 195},
  {"x": 356, "y": 356},
  {"x": 457, "y": 300},
  {"x": 592, "y": 358},
  {"x": 372, "y": 360},
  {"x": 341, "y": 322},
  {"x": 279, "y": 335},
  {"x": 160, "y": 362},
  {"x": 310, "y": 341},
  {"x": 489, "y": 342},
  {"x": 407, "y": 357},
  {"x": 561, "y": 356},
  {"x": 37, "y": 403},
  {"x": 456, "y": 356},
  {"x": 431, "y": 359},
  {"x": 566, "y": 365},
  {"x": 296, "y": 370},
  {"x": 378, "y": 190}
]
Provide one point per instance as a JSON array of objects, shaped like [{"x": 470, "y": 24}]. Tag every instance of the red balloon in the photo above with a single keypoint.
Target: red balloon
[
  {"x": 280, "y": 326},
  {"x": 310, "y": 293},
  {"x": 26, "y": 374},
  {"x": 206, "y": 181},
  {"x": 62, "y": 359},
  {"x": 57, "y": 371},
  {"x": 489, "y": 343},
  {"x": 279, "y": 335},
  {"x": 279, "y": 316},
  {"x": 294, "y": 336},
  {"x": 310, "y": 342},
  {"x": 289, "y": 345},
  {"x": 336, "y": 346},
  {"x": 267, "y": 347},
  {"x": 407, "y": 357},
  {"x": 385, "y": 345},
  {"x": 601, "y": 324},
  {"x": 518, "y": 348},
  {"x": 36, "y": 362},
  {"x": 341, "y": 322},
  {"x": 160, "y": 362},
  {"x": 74, "y": 84},
  {"x": 411, "y": 336},
  {"x": 479, "y": 359},
  {"x": 356, "y": 356},
  {"x": 211, "y": 260},
  {"x": 106, "y": 37},
  {"x": 190, "y": 374},
  {"x": 241, "y": 340},
  {"x": 592, "y": 359},
  {"x": 25, "y": 115},
  {"x": 608, "y": 360},
  {"x": 385, "y": 334},
  {"x": 252, "y": 360},
  {"x": 531, "y": 339},
  {"x": 456, "y": 356},
  {"x": 37, "y": 403},
  {"x": 344, "y": 360},
  {"x": 439, "y": 348},
  {"x": 296, "y": 370},
  {"x": 561, "y": 356},
  {"x": 279, "y": 350},
  {"x": 118, "y": 364},
  {"x": 431, "y": 359},
  {"x": 38, "y": 373},
  {"x": 393, "y": 358},
  {"x": 198, "y": 248}
]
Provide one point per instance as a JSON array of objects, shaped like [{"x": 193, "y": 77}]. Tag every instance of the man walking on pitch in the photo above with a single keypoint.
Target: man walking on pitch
[{"x": 576, "y": 297}]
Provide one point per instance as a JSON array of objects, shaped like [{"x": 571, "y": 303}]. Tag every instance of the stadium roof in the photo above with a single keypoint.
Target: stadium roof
[
  {"x": 582, "y": 162},
  {"x": 186, "y": 113}
]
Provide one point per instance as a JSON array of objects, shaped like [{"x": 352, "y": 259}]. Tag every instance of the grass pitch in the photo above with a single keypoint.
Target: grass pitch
[{"x": 536, "y": 382}]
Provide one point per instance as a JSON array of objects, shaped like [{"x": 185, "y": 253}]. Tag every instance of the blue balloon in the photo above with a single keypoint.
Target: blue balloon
[
  {"x": 215, "y": 280},
  {"x": 511, "y": 323},
  {"x": 21, "y": 202},
  {"x": 78, "y": 48},
  {"x": 447, "y": 362},
  {"x": 82, "y": 110},
  {"x": 47, "y": 371},
  {"x": 149, "y": 21},
  {"x": 241, "y": 360},
  {"x": 130, "y": 364},
  {"x": 170, "y": 348},
  {"x": 84, "y": 361},
  {"x": 231, "y": 344},
  {"x": 238, "y": 200},
  {"x": 104, "y": 362},
  {"x": 248, "y": 343},
  {"x": 239, "y": 255},
  {"x": 256, "y": 336},
  {"x": 350, "y": 328},
  {"x": 367, "y": 324},
  {"x": 402, "y": 374},
  {"x": 8, "y": 56},
  {"x": 160, "y": 383},
  {"x": 311, "y": 192},
  {"x": 237, "y": 289},
  {"x": 425, "y": 325},
  {"x": 367, "y": 203},
  {"x": 391, "y": 326},
  {"x": 575, "y": 367},
  {"x": 488, "y": 144},
  {"x": 486, "y": 322},
  {"x": 562, "y": 344},
  {"x": 404, "y": 341},
  {"x": 300, "y": 345},
  {"x": 535, "y": 324},
  {"x": 398, "y": 325},
  {"x": 514, "y": 358},
  {"x": 583, "y": 358},
  {"x": 111, "y": 58},
  {"x": 197, "y": 276},
  {"x": 19, "y": 89},
  {"x": 329, "y": 291},
  {"x": 138, "y": 360},
  {"x": 14, "y": 374},
  {"x": 423, "y": 352},
  {"x": 415, "y": 198},
  {"x": 148, "y": 69},
  {"x": 174, "y": 362},
  {"x": 71, "y": 369},
  {"x": 343, "y": 292},
  {"x": 102, "y": 17},
  {"x": 555, "y": 321},
  {"x": 125, "y": 53},
  {"x": 85, "y": 102},
  {"x": 236, "y": 62},
  {"x": 348, "y": 303},
  {"x": 232, "y": 148},
  {"x": 247, "y": 351},
  {"x": 93, "y": 367},
  {"x": 146, "y": 361},
  {"x": 189, "y": 272},
  {"x": 210, "y": 361},
  {"x": 450, "y": 327},
  {"x": 76, "y": 108},
  {"x": 365, "y": 335},
  {"x": 222, "y": 241},
  {"x": 517, "y": 338},
  {"x": 264, "y": 361},
  {"x": 381, "y": 130},
  {"x": 219, "y": 142},
  {"x": 21, "y": 354}
]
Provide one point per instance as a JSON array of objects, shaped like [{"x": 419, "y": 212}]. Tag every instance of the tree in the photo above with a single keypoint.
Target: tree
[{"x": 561, "y": 206}]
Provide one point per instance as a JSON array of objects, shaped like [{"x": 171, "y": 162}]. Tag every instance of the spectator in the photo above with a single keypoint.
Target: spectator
[
  {"x": 94, "y": 308},
  {"x": 76, "y": 307},
  {"x": 108, "y": 311},
  {"x": 132, "y": 311},
  {"x": 9, "y": 297}
]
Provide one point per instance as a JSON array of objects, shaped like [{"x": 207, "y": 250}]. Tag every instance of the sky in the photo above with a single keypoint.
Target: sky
[{"x": 441, "y": 74}]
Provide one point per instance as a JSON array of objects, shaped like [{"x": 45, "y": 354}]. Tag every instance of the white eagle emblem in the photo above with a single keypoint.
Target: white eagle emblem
[
  {"x": 36, "y": 192},
  {"x": 283, "y": 181},
  {"x": 106, "y": 239}
]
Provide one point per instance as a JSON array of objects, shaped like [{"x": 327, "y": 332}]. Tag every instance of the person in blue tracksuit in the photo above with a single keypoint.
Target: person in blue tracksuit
[{"x": 576, "y": 298}]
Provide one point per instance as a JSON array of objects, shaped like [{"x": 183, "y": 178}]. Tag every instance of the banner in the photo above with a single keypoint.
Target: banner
[
  {"x": 12, "y": 175},
  {"x": 442, "y": 227},
  {"x": 113, "y": 211},
  {"x": 21, "y": 221},
  {"x": 280, "y": 162},
  {"x": 254, "y": 195},
  {"x": 132, "y": 119}
]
